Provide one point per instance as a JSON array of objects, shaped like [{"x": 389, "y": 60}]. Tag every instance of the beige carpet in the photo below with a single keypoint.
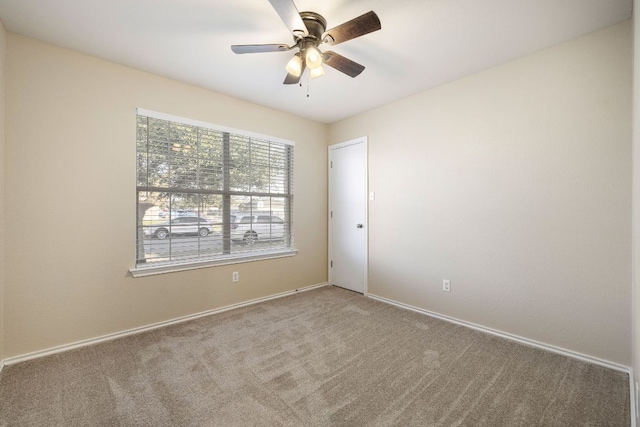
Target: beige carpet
[{"x": 318, "y": 358}]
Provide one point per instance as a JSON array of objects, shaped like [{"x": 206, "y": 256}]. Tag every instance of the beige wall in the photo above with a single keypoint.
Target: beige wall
[
  {"x": 70, "y": 200},
  {"x": 3, "y": 37},
  {"x": 515, "y": 183},
  {"x": 636, "y": 195}
]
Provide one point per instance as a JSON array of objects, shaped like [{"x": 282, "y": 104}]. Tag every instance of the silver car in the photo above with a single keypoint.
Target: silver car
[
  {"x": 251, "y": 227},
  {"x": 180, "y": 226}
]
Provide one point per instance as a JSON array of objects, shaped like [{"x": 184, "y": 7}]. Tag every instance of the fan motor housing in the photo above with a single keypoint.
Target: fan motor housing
[{"x": 315, "y": 23}]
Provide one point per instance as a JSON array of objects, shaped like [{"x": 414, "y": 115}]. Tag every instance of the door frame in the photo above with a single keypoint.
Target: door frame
[{"x": 360, "y": 140}]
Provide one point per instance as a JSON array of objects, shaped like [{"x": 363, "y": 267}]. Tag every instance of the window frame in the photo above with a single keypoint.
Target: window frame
[{"x": 141, "y": 269}]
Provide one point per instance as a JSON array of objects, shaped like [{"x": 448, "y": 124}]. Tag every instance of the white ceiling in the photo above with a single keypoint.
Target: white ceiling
[{"x": 422, "y": 44}]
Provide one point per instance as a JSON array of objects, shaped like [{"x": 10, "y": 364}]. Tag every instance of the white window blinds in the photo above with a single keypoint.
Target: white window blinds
[{"x": 208, "y": 194}]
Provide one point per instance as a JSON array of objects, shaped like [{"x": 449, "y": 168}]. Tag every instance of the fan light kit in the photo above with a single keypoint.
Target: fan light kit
[{"x": 309, "y": 31}]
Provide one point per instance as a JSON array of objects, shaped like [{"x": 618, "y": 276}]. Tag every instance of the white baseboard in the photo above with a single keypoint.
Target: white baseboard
[
  {"x": 521, "y": 340},
  {"x": 109, "y": 337}
]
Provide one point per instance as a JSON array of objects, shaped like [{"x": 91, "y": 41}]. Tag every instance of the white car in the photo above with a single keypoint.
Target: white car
[
  {"x": 252, "y": 227},
  {"x": 181, "y": 225}
]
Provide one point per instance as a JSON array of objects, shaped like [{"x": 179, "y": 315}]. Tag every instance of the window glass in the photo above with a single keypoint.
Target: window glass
[{"x": 195, "y": 182}]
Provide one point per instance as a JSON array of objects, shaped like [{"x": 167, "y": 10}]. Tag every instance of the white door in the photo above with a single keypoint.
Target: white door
[{"x": 348, "y": 215}]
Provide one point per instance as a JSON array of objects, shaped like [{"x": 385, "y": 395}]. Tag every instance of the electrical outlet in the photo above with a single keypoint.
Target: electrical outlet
[
  {"x": 235, "y": 276},
  {"x": 446, "y": 285}
]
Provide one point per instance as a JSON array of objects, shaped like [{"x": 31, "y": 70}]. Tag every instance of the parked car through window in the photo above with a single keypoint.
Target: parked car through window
[
  {"x": 181, "y": 226},
  {"x": 252, "y": 227}
]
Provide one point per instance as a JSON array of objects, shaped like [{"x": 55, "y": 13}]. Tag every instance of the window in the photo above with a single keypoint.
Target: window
[{"x": 209, "y": 195}]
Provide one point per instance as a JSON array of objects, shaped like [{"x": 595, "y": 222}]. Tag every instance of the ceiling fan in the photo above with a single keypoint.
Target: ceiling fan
[{"x": 309, "y": 30}]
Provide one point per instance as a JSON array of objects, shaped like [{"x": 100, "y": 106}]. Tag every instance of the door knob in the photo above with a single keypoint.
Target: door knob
[{"x": 359, "y": 226}]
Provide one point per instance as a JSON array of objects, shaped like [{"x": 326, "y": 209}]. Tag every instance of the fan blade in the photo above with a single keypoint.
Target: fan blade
[
  {"x": 290, "y": 16},
  {"x": 342, "y": 64},
  {"x": 291, "y": 79},
  {"x": 363, "y": 24},
  {"x": 257, "y": 48}
]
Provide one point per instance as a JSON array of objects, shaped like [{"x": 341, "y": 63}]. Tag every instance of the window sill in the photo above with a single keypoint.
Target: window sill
[{"x": 162, "y": 268}]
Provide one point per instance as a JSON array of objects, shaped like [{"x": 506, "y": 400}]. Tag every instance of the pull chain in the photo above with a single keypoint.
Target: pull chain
[{"x": 308, "y": 85}]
